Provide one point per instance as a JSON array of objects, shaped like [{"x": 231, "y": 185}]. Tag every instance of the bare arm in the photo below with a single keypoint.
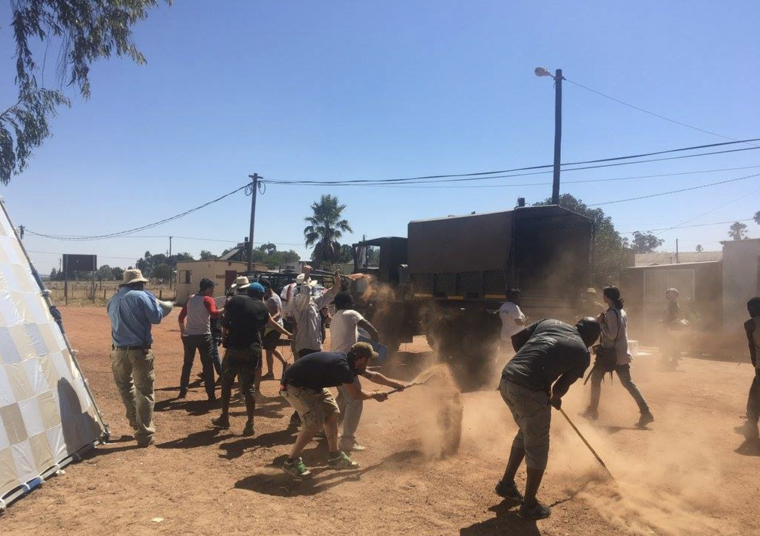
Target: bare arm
[
  {"x": 277, "y": 327},
  {"x": 560, "y": 388},
  {"x": 376, "y": 377},
  {"x": 369, "y": 328},
  {"x": 358, "y": 394}
]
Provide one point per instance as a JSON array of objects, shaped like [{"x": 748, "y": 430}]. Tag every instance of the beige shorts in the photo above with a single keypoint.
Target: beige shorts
[{"x": 312, "y": 406}]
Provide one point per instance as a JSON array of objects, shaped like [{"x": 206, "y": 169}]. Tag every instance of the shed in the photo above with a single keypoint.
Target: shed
[
  {"x": 223, "y": 273},
  {"x": 741, "y": 279}
]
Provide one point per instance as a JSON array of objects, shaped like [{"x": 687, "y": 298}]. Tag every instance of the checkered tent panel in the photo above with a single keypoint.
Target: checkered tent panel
[{"x": 46, "y": 413}]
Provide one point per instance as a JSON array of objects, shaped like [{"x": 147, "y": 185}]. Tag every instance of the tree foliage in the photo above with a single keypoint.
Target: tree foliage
[
  {"x": 757, "y": 217},
  {"x": 207, "y": 255},
  {"x": 148, "y": 263},
  {"x": 738, "y": 231},
  {"x": 611, "y": 257},
  {"x": 325, "y": 228},
  {"x": 161, "y": 271},
  {"x": 700, "y": 249},
  {"x": 645, "y": 242},
  {"x": 83, "y": 31}
]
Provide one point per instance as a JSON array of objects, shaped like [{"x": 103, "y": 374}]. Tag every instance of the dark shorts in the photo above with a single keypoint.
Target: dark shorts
[
  {"x": 271, "y": 339},
  {"x": 242, "y": 363}
]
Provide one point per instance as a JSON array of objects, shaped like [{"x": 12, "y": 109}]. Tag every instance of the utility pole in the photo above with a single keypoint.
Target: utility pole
[
  {"x": 677, "y": 261},
  {"x": 254, "y": 189},
  {"x": 541, "y": 71},
  {"x": 557, "y": 133}
]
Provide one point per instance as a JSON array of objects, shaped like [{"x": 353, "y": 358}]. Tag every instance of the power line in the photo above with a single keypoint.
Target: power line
[
  {"x": 688, "y": 226},
  {"x": 659, "y": 116},
  {"x": 649, "y": 196},
  {"x": 482, "y": 175},
  {"x": 141, "y": 228},
  {"x": 395, "y": 184}
]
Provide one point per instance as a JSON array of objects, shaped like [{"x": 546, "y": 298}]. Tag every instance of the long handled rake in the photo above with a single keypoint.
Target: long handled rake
[{"x": 598, "y": 459}]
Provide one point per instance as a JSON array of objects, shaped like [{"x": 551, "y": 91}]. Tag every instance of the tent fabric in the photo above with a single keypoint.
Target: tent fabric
[{"x": 47, "y": 413}]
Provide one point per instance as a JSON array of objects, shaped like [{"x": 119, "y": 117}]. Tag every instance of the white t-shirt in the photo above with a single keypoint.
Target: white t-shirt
[
  {"x": 509, "y": 312},
  {"x": 343, "y": 331}
]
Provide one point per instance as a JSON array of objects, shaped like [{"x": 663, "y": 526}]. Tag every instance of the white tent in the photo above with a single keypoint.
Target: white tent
[{"x": 48, "y": 416}]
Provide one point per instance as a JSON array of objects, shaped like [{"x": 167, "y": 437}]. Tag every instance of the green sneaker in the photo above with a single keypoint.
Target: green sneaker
[
  {"x": 342, "y": 461},
  {"x": 296, "y": 469}
]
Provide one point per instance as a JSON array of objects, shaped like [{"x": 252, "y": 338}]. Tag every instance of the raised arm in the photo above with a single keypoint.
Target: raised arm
[{"x": 327, "y": 298}]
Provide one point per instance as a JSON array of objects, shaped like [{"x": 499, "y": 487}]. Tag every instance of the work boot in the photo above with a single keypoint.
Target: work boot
[
  {"x": 296, "y": 469},
  {"x": 508, "y": 490},
  {"x": 248, "y": 430},
  {"x": 646, "y": 418},
  {"x": 342, "y": 461},
  {"x": 267, "y": 376},
  {"x": 537, "y": 511},
  {"x": 221, "y": 422},
  {"x": 144, "y": 443}
]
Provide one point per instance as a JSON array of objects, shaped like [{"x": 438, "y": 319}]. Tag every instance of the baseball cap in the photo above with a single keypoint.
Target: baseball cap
[
  {"x": 364, "y": 349},
  {"x": 256, "y": 287}
]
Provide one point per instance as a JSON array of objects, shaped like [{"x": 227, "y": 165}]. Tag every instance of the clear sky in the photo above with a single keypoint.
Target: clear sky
[{"x": 346, "y": 89}]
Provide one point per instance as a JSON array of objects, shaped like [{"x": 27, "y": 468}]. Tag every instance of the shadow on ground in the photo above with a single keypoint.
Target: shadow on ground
[
  {"x": 505, "y": 522},
  {"x": 274, "y": 482}
]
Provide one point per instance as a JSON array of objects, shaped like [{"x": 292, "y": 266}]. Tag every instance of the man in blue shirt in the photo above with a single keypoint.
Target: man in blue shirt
[{"x": 132, "y": 311}]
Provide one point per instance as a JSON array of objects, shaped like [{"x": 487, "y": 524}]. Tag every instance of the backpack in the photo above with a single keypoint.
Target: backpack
[{"x": 606, "y": 358}]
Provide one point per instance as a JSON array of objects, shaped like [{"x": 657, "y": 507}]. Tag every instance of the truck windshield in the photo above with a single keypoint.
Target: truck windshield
[{"x": 368, "y": 256}]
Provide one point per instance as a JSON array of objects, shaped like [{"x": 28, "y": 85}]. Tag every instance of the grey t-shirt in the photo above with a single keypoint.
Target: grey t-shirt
[{"x": 553, "y": 349}]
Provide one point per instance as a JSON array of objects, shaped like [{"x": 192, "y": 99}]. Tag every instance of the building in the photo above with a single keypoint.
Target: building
[
  {"x": 741, "y": 279},
  {"x": 223, "y": 273}
]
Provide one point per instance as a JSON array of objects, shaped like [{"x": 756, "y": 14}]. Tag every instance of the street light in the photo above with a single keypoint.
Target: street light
[{"x": 557, "y": 76}]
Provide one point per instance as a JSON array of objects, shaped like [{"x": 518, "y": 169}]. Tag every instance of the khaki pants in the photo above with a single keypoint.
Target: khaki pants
[{"x": 134, "y": 376}]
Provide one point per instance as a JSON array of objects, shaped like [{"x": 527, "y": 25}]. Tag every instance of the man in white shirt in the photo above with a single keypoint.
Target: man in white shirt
[
  {"x": 344, "y": 333},
  {"x": 512, "y": 318}
]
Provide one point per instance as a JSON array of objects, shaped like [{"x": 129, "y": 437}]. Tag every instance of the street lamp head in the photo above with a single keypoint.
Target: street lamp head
[{"x": 541, "y": 71}]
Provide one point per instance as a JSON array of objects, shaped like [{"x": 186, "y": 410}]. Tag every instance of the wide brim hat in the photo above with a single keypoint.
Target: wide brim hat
[
  {"x": 241, "y": 282},
  {"x": 301, "y": 280},
  {"x": 133, "y": 275}
]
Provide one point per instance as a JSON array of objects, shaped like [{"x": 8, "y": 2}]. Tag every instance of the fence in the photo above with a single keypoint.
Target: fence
[{"x": 81, "y": 292}]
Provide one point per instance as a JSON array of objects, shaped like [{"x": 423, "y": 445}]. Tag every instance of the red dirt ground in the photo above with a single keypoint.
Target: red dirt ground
[{"x": 689, "y": 473}]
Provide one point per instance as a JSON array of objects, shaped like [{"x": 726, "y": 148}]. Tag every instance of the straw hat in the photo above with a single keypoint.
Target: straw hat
[
  {"x": 301, "y": 279},
  {"x": 133, "y": 275},
  {"x": 241, "y": 282}
]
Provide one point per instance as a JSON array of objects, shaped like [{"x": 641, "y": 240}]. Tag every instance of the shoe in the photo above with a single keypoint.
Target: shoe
[
  {"x": 590, "y": 414},
  {"x": 508, "y": 491},
  {"x": 268, "y": 376},
  {"x": 248, "y": 430},
  {"x": 537, "y": 511},
  {"x": 221, "y": 422},
  {"x": 146, "y": 442},
  {"x": 182, "y": 393},
  {"x": 212, "y": 399},
  {"x": 645, "y": 419},
  {"x": 342, "y": 461},
  {"x": 749, "y": 430},
  {"x": 348, "y": 446},
  {"x": 296, "y": 469}
]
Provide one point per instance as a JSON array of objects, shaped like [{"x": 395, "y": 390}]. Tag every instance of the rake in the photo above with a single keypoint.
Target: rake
[{"x": 598, "y": 459}]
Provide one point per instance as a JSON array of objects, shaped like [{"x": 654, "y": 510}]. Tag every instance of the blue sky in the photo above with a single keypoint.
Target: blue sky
[{"x": 345, "y": 89}]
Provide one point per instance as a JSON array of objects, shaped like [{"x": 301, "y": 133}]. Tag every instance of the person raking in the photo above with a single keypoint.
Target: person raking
[{"x": 551, "y": 356}]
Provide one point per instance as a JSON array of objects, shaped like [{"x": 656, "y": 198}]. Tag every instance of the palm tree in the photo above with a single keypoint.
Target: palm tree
[
  {"x": 325, "y": 229},
  {"x": 738, "y": 231}
]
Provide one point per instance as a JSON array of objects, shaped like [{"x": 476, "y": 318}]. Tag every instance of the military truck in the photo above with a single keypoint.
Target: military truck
[{"x": 450, "y": 276}]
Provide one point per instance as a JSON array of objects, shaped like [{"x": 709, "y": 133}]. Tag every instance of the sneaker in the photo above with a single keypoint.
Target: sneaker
[
  {"x": 342, "y": 461},
  {"x": 508, "y": 491},
  {"x": 537, "y": 511},
  {"x": 144, "y": 443},
  {"x": 268, "y": 376},
  {"x": 248, "y": 430},
  {"x": 352, "y": 445},
  {"x": 221, "y": 422},
  {"x": 296, "y": 469},
  {"x": 182, "y": 393},
  {"x": 645, "y": 419},
  {"x": 590, "y": 414}
]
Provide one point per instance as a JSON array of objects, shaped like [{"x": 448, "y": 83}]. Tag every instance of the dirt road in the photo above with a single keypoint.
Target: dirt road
[{"x": 687, "y": 474}]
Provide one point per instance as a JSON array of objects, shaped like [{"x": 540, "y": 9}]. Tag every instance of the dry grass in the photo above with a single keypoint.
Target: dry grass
[{"x": 80, "y": 292}]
